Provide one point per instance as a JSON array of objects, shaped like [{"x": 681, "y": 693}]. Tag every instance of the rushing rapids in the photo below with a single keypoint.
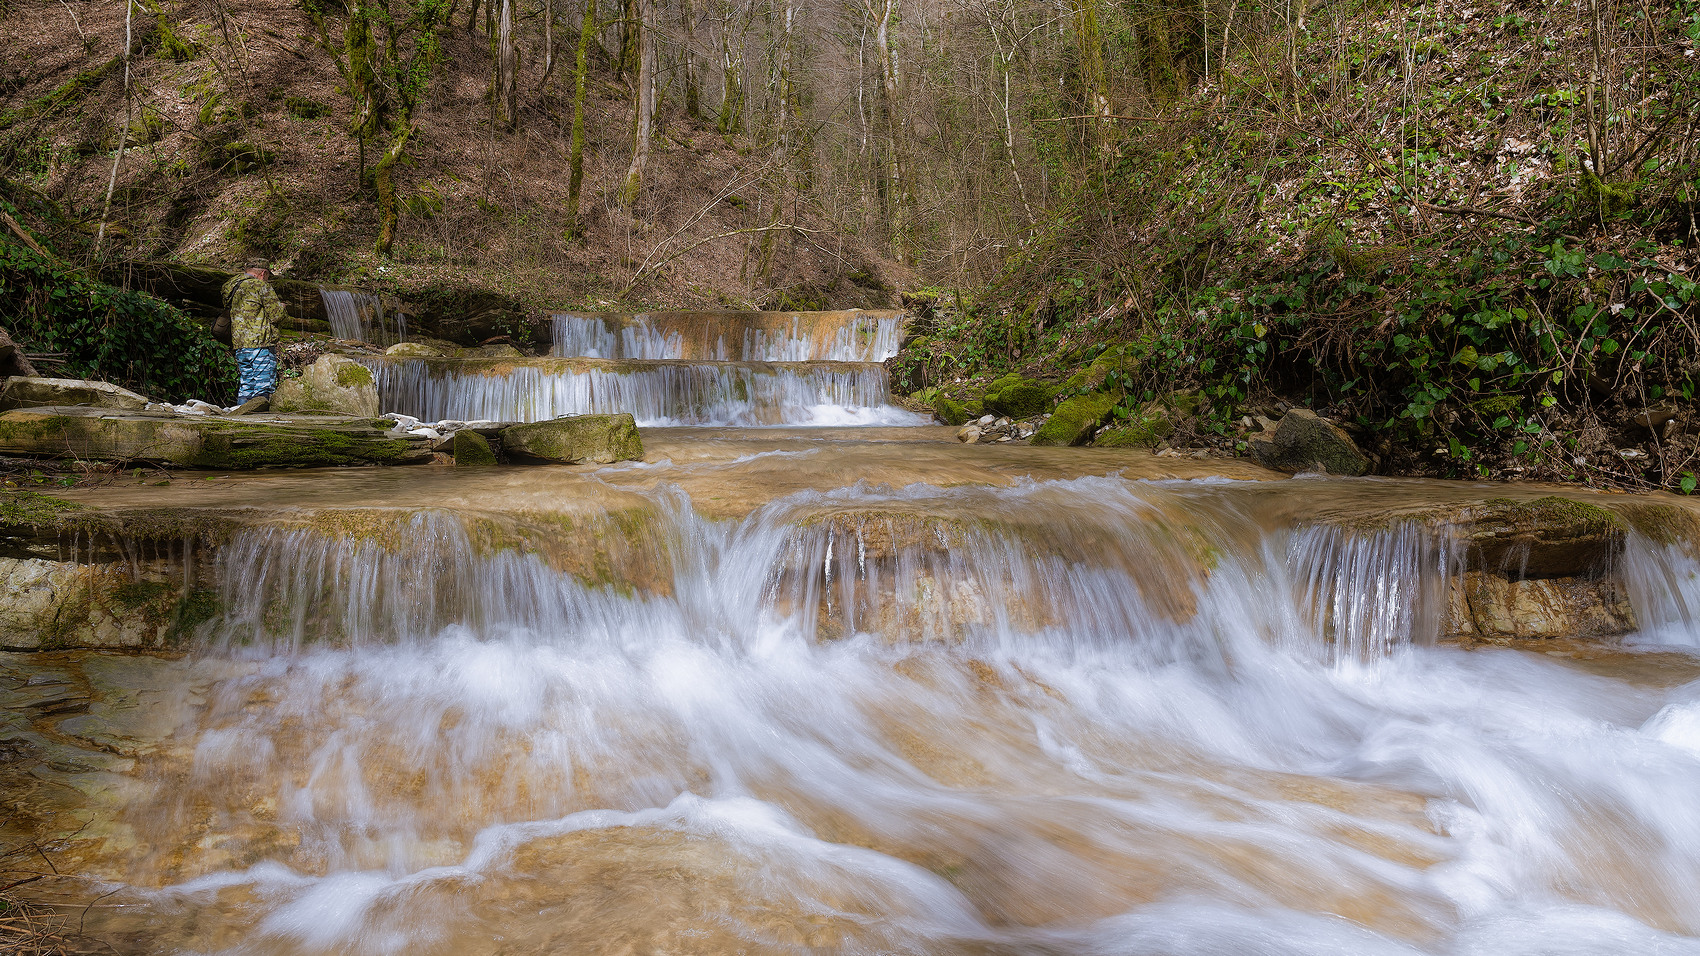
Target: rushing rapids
[
  {"x": 1063, "y": 715},
  {"x": 862, "y": 690}
]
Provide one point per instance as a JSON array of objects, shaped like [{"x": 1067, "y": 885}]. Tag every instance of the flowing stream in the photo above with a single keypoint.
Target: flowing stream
[{"x": 867, "y": 692}]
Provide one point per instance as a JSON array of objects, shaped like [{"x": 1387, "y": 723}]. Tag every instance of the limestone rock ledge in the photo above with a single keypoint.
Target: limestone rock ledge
[{"x": 209, "y": 442}]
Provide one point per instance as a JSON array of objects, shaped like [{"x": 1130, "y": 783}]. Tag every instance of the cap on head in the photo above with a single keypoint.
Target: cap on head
[{"x": 265, "y": 264}]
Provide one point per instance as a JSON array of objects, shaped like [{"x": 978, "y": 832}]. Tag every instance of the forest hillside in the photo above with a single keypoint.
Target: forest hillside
[{"x": 1466, "y": 229}]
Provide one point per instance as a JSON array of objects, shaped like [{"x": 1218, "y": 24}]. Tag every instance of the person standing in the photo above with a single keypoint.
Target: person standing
[{"x": 255, "y": 314}]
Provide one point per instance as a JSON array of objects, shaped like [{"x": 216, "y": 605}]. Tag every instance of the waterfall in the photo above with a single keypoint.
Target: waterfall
[
  {"x": 751, "y": 337},
  {"x": 1663, "y": 579},
  {"x": 656, "y": 394},
  {"x": 360, "y": 317}
]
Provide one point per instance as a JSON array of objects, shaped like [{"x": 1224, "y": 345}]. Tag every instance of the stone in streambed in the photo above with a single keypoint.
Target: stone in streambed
[
  {"x": 30, "y": 392},
  {"x": 1303, "y": 441},
  {"x": 471, "y": 448},
  {"x": 333, "y": 385},
  {"x": 576, "y": 438}
]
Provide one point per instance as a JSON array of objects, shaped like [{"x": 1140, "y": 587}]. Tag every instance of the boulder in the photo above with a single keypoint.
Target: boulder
[
  {"x": 576, "y": 438},
  {"x": 333, "y": 385},
  {"x": 413, "y": 350},
  {"x": 203, "y": 441},
  {"x": 1303, "y": 442},
  {"x": 1076, "y": 419},
  {"x": 1497, "y": 608},
  {"x": 1016, "y": 397},
  {"x": 29, "y": 392},
  {"x": 950, "y": 411},
  {"x": 1146, "y": 429},
  {"x": 471, "y": 448}
]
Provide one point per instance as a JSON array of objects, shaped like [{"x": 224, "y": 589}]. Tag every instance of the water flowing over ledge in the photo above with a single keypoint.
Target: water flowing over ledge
[
  {"x": 1086, "y": 715},
  {"x": 360, "y": 317},
  {"x": 854, "y": 336},
  {"x": 655, "y": 392}
]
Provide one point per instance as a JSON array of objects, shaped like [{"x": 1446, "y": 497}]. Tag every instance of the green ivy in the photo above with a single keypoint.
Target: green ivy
[{"x": 92, "y": 330}]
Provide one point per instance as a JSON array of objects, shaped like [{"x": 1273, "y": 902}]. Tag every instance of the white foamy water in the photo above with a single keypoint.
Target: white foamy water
[
  {"x": 1070, "y": 717},
  {"x": 850, "y": 337},
  {"x": 701, "y": 393}
]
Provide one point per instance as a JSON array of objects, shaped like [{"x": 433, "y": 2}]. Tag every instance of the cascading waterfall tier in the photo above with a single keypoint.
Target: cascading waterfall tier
[
  {"x": 850, "y": 336},
  {"x": 360, "y": 317},
  {"x": 1081, "y": 716},
  {"x": 654, "y": 392}
]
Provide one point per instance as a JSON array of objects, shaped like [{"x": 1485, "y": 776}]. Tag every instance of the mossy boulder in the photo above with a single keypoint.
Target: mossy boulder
[
  {"x": 1146, "y": 429},
  {"x": 576, "y": 438},
  {"x": 1117, "y": 359},
  {"x": 333, "y": 385},
  {"x": 471, "y": 448},
  {"x": 413, "y": 350},
  {"x": 1076, "y": 420},
  {"x": 1303, "y": 441},
  {"x": 950, "y": 411},
  {"x": 1016, "y": 397}
]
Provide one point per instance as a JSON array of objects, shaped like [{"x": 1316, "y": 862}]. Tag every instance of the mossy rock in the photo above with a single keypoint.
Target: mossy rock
[
  {"x": 1550, "y": 537},
  {"x": 1017, "y": 397},
  {"x": 1146, "y": 429},
  {"x": 576, "y": 438},
  {"x": 471, "y": 448},
  {"x": 203, "y": 441},
  {"x": 1076, "y": 420},
  {"x": 1304, "y": 441},
  {"x": 950, "y": 411},
  {"x": 1117, "y": 359}
]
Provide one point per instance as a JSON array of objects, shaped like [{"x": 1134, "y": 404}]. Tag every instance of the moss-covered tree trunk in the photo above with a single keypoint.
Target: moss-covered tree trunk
[
  {"x": 575, "y": 160},
  {"x": 731, "y": 71},
  {"x": 643, "y": 124}
]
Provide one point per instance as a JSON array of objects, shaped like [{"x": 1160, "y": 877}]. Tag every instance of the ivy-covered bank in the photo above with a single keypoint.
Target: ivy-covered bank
[
  {"x": 1465, "y": 232},
  {"x": 79, "y": 327}
]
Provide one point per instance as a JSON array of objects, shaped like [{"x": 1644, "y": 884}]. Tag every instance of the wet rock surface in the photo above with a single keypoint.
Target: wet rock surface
[
  {"x": 1304, "y": 441},
  {"x": 576, "y": 438},
  {"x": 208, "y": 442}
]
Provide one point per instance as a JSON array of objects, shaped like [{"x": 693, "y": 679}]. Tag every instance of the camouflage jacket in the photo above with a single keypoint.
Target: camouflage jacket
[{"x": 255, "y": 312}]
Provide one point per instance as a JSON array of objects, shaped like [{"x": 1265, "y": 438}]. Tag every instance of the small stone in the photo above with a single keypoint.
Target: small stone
[
  {"x": 968, "y": 434},
  {"x": 253, "y": 406},
  {"x": 986, "y": 420}
]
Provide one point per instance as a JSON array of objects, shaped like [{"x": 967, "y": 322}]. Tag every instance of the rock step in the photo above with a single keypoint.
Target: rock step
[{"x": 210, "y": 442}]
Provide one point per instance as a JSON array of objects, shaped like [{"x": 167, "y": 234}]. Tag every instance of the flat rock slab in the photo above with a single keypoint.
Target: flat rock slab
[
  {"x": 30, "y": 392},
  {"x": 210, "y": 442}
]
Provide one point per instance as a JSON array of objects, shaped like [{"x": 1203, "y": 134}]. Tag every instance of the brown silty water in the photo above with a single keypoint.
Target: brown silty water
[{"x": 780, "y": 690}]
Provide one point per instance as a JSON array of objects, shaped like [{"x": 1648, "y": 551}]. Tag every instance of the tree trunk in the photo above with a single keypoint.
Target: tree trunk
[
  {"x": 643, "y": 127},
  {"x": 12, "y": 359},
  {"x": 1094, "y": 85},
  {"x": 507, "y": 70},
  {"x": 575, "y": 162},
  {"x": 548, "y": 42},
  {"x": 731, "y": 76},
  {"x": 693, "y": 85},
  {"x": 387, "y": 213}
]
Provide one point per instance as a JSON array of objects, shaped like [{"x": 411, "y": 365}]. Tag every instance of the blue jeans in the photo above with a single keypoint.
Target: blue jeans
[{"x": 256, "y": 373}]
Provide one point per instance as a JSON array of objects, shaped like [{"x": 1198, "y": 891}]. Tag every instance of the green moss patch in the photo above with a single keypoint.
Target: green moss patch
[{"x": 1076, "y": 419}]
